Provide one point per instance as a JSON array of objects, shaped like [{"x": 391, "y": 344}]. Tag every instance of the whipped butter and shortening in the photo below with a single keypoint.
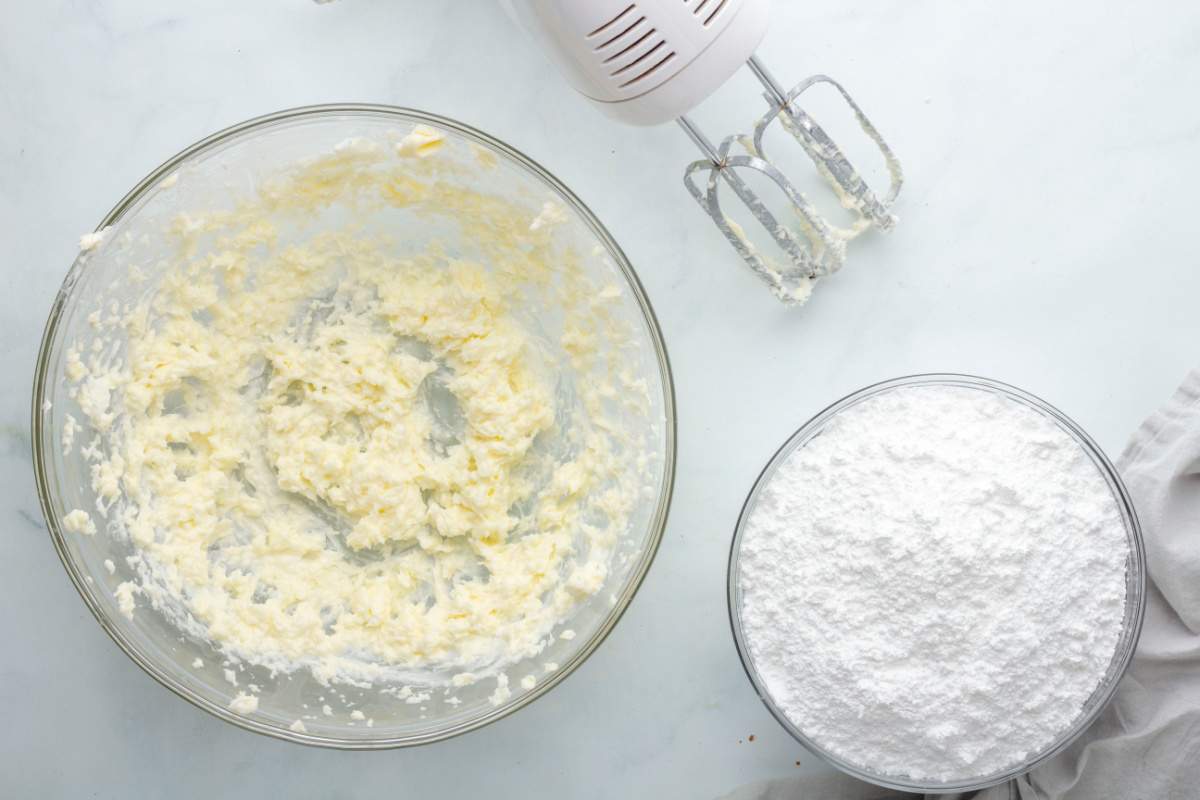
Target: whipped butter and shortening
[{"x": 331, "y": 453}]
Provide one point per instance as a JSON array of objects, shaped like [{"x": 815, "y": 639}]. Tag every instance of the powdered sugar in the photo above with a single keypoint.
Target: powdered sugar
[{"x": 934, "y": 585}]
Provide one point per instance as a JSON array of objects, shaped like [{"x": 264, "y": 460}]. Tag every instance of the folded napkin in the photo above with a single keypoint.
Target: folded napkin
[{"x": 1146, "y": 744}]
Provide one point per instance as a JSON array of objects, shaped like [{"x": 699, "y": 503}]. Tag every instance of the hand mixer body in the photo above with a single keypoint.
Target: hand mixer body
[
  {"x": 650, "y": 61},
  {"x": 646, "y": 62}
]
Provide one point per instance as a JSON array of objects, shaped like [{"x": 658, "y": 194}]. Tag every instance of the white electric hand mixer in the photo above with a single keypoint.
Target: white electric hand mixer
[{"x": 652, "y": 61}]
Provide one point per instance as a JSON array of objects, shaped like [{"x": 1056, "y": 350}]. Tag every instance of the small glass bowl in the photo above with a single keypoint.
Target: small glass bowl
[
  {"x": 209, "y": 173},
  {"x": 1135, "y": 584}
]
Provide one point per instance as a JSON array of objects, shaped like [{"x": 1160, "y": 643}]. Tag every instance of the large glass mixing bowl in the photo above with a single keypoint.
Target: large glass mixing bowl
[
  {"x": 1135, "y": 585},
  {"x": 236, "y": 162}
]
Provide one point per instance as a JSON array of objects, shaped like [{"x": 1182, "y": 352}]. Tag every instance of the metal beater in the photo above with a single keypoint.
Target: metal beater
[{"x": 651, "y": 61}]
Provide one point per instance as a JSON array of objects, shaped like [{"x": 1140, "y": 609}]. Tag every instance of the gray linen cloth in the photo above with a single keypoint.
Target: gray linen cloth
[{"x": 1146, "y": 744}]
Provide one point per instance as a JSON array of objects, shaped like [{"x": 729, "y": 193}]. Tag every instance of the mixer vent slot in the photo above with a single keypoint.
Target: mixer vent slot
[
  {"x": 626, "y": 16},
  {"x": 642, "y": 59},
  {"x": 629, "y": 47},
  {"x": 653, "y": 68},
  {"x": 623, "y": 34},
  {"x": 712, "y": 8},
  {"x": 632, "y": 49}
]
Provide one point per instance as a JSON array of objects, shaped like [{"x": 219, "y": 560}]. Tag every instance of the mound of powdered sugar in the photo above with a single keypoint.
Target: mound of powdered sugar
[{"x": 935, "y": 584}]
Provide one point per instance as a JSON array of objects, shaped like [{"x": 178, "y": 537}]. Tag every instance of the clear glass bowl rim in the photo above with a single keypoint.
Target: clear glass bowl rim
[
  {"x": 40, "y": 429},
  {"x": 1135, "y": 580}
]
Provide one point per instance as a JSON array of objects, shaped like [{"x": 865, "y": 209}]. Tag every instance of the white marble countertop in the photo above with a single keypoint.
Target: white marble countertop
[{"x": 1047, "y": 239}]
